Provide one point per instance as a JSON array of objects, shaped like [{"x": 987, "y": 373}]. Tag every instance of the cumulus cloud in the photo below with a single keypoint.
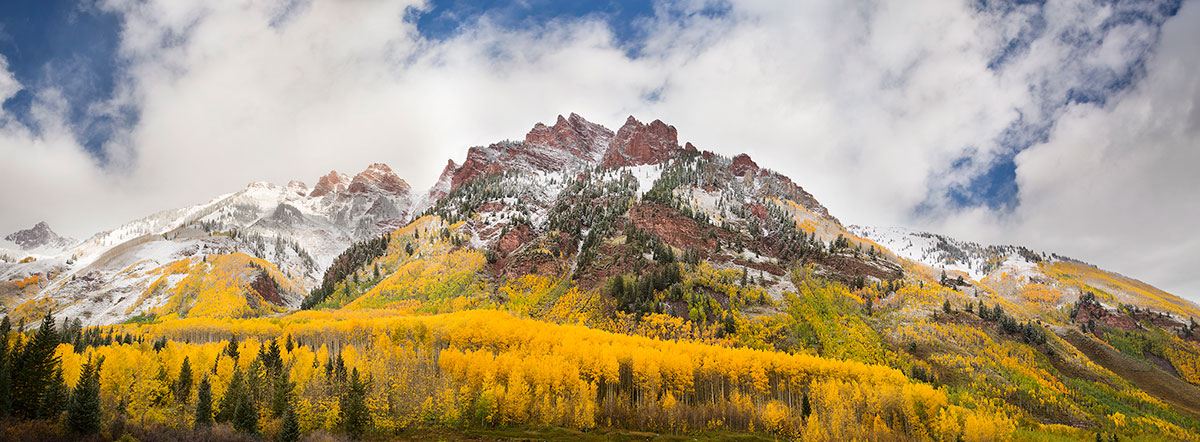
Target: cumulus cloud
[
  {"x": 878, "y": 108},
  {"x": 1116, "y": 184}
]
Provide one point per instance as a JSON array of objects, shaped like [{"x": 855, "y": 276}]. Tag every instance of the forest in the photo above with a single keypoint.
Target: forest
[
  {"x": 365, "y": 374},
  {"x": 581, "y": 318}
]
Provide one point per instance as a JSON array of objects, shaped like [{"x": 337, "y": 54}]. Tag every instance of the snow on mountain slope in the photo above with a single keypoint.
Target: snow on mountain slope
[
  {"x": 944, "y": 252},
  {"x": 37, "y": 240},
  {"x": 1023, "y": 276},
  {"x": 298, "y": 230},
  {"x": 572, "y": 187}
]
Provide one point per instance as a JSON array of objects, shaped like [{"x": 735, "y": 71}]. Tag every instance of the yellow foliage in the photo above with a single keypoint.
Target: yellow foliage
[
  {"x": 1105, "y": 284},
  {"x": 219, "y": 287},
  {"x": 488, "y": 367},
  {"x": 443, "y": 277}
]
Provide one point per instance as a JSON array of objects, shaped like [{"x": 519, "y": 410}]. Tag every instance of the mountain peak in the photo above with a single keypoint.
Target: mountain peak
[
  {"x": 297, "y": 187},
  {"x": 40, "y": 235},
  {"x": 742, "y": 164},
  {"x": 576, "y": 135},
  {"x": 378, "y": 176},
  {"x": 636, "y": 144},
  {"x": 331, "y": 182}
]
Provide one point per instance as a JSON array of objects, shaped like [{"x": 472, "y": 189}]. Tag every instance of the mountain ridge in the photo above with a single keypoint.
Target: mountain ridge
[
  {"x": 578, "y": 234},
  {"x": 377, "y": 201}
]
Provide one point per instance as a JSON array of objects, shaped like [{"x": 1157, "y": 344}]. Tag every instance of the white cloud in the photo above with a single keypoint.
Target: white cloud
[
  {"x": 864, "y": 104},
  {"x": 1116, "y": 185}
]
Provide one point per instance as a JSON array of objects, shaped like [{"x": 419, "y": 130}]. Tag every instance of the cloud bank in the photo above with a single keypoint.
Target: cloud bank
[{"x": 883, "y": 110}]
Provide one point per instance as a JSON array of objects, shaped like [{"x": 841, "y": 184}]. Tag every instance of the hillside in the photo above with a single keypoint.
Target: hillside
[{"x": 597, "y": 280}]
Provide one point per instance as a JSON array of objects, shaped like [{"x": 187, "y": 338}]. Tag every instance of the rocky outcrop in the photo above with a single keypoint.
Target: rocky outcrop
[
  {"x": 40, "y": 235},
  {"x": 331, "y": 183},
  {"x": 742, "y": 164},
  {"x": 482, "y": 161},
  {"x": 378, "y": 177},
  {"x": 297, "y": 187},
  {"x": 574, "y": 135},
  {"x": 570, "y": 141},
  {"x": 636, "y": 144}
]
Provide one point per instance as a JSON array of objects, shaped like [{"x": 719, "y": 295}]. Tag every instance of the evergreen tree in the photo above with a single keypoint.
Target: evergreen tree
[
  {"x": 233, "y": 394},
  {"x": 54, "y": 400},
  {"x": 282, "y": 394},
  {"x": 83, "y": 409},
  {"x": 183, "y": 386},
  {"x": 274, "y": 359},
  {"x": 245, "y": 416},
  {"x": 256, "y": 383},
  {"x": 339, "y": 369},
  {"x": 232, "y": 349},
  {"x": 289, "y": 430},
  {"x": 162, "y": 397},
  {"x": 5, "y": 369},
  {"x": 354, "y": 418},
  {"x": 204, "y": 415},
  {"x": 946, "y": 308},
  {"x": 289, "y": 346},
  {"x": 805, "y": 406},
  {"x": 32, "y": 369}
]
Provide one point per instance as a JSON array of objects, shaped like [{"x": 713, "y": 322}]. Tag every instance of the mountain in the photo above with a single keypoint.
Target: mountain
[
  {"x": 643, "y": 283},
  {"x": 1035, "y": 280},
  {"x": 39, "y": 238},
  {"x": 291, "y": 231}
]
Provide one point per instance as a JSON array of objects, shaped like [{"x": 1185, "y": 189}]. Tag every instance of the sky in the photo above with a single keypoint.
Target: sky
[{"x": 1070, "y": 126}]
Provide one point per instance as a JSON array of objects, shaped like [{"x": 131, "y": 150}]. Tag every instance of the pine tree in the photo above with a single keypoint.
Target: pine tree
[
  {"x": 245, "y": 416},
  {"x": 256, "y": 382},
  {"x": 354, "y": 418},
  {"x": 5, "y": 369},
  {"x": 946, "y": 308},
  {"x": 282, "y": 394},
  {"x": 32, "y": 369},
  {"x": 183, "y": 386},
  {"x": 54, "y": 400},
  {"x": 233, "y": 394},
  {"x": 805, "y": 406},
  {"x": 289, "y": 430},
  {"x": 204, "y": 415},
  {"x": 274, "y": 360},
  {"x": 162, "y": 397},
  {"x": 232, "y": 349},
  {"x": 289, "y": 346},
  {"x": 83, "y": 409}
]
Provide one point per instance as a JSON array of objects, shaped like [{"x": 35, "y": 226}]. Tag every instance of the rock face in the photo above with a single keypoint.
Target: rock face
[
  {"x": 378, "y": 177},
  {"x": 482, "y": 161},
  {"x": 571, "y": 141},
  {"x": 743, "y": 164},
  {"x": 297, "y": 187},
  {"x": 575, "y": 135},
  {"x": 301, "y": 229},
  {"x": 333, "y": 182},
  {"x": 636, "y": 144},
  {"x": 40, "y": 235}
]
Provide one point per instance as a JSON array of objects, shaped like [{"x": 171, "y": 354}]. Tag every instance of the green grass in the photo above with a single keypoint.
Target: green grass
[{"x": 142, "y": 319}]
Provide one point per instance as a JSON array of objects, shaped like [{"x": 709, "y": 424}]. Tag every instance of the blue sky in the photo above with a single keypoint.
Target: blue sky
[
  {"x": 59, "y": 44},
  {"x": 966, "y": 117}
]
